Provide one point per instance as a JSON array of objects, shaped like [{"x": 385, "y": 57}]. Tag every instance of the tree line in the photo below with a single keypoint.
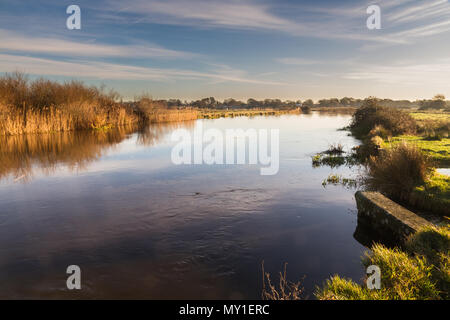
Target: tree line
[{"x": 438, "y": 102}]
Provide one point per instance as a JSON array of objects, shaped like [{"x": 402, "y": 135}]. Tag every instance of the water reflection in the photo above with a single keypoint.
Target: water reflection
[
  {"x": 150, "y": 135},
  {"x": 22, "y": 155},
  {"x": 367, "y": 235},
  {"x": 141, "y": 227}
]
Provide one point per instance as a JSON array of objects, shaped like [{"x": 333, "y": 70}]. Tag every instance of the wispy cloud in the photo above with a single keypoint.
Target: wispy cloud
[
  {"x": 298, "y": 61},
  {"x": 112, "y": 71},
  {"x": 416, "y": 12},
  {"x": 330, "y": 22},
  {"x": 211, "y": 13},
  {"x": 418, "y": 74},
  {"x": 13, "y": 41}
]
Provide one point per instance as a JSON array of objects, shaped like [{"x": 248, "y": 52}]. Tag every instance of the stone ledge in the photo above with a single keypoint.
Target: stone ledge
[{"x": 386, "y": 216}]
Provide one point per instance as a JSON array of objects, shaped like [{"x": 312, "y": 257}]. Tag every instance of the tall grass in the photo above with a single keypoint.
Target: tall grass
[
  {"x": 419, "y": 272},
  {"x": 422, "y": 271},
  {"x": 397, "y": 171},
  {"x": 157, "y": 111},
  {"x": 47, "y": 106},
  {"x": 285, "y": 290}
]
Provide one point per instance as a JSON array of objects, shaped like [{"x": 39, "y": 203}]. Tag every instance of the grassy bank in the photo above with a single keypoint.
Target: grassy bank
[
  {"x": 433, "y": 195},
  {"x": 338, "y": 110},
  {"x": 420, "y": 271},
  {"x": 219, "y": 113},
  {"x": 401, "y": 151},
  {"x": 437, "y": 149}
]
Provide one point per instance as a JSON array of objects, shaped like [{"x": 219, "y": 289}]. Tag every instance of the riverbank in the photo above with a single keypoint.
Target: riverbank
[
  {"x": 44, "y": 106},
  {"x": 218, "y": 113},
  {"x": 428, "y": 134},
  {"x": 400, "y": 151},
  {"x": 403, "y": 169}
]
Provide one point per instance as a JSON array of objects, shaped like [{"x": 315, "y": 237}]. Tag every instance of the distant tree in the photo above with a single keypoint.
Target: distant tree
[
  {"x": 252, "y": 103},
  {"x": 174, "y": 103},
  {"x": 346, "y": 101},
  {"x": 290, "y": 104},
  {"x": 230, "y": 102},
  {"x": 437, "y": 103},
  {"x": 334, "y": 103},
  {"x": 308, "y": 103},
  {"x": 329, "y": 102}
]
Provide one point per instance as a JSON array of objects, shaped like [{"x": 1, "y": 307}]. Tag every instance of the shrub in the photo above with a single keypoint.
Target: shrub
[
  {"x": 380, "y": 131},
  {"x": 434, "y": 129},
  {"x": 306, "y": 109},
  {"x": 335, "y": 149},
  {"x": 398, "y": 170},
  {"x": 370, "y": 115}
]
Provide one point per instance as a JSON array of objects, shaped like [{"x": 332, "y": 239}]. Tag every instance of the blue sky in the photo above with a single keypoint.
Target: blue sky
[{"x": 190, "y": 49}]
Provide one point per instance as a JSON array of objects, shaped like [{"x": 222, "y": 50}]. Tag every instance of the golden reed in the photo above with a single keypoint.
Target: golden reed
[{"x": 43, "y": 106}]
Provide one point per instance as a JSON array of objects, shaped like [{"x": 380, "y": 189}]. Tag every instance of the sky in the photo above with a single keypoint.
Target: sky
[{"x": 190, "y": 49}]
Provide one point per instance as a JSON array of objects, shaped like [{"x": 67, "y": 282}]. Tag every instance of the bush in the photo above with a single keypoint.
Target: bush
[
  {"x": 306, "y": 109},
  {"x": 380, "y": 131},
  {"x": 370, "y": 115},
  {"x": 396, "y": 172}
]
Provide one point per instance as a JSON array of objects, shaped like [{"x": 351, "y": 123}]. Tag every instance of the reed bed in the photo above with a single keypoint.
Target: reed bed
[
  {"x": 14, "y": 121},
  {"x": 151, "y": 111},
  {"x": 43, "y": 106},
  {"x": 173, "y": 116}
]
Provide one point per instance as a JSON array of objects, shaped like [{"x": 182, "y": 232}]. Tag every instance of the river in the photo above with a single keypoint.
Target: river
[{"x": 139, "y": 226}]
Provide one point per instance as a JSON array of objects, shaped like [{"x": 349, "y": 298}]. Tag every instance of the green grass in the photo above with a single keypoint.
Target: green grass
[
  {"x": 434, "y": 116},
  {"x": 438, "y": 150},
  {"x": 434, "y": 195},
  {"x": 421, "y": 271}
]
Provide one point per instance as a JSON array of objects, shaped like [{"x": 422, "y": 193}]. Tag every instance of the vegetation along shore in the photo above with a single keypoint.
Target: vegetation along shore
[
  {"x": 400, "y": 151},
  {"x": 44, "y": 106}
]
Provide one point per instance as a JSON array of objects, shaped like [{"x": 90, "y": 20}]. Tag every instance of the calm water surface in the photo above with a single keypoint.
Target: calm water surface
[{"x": 140, "y": 227}]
